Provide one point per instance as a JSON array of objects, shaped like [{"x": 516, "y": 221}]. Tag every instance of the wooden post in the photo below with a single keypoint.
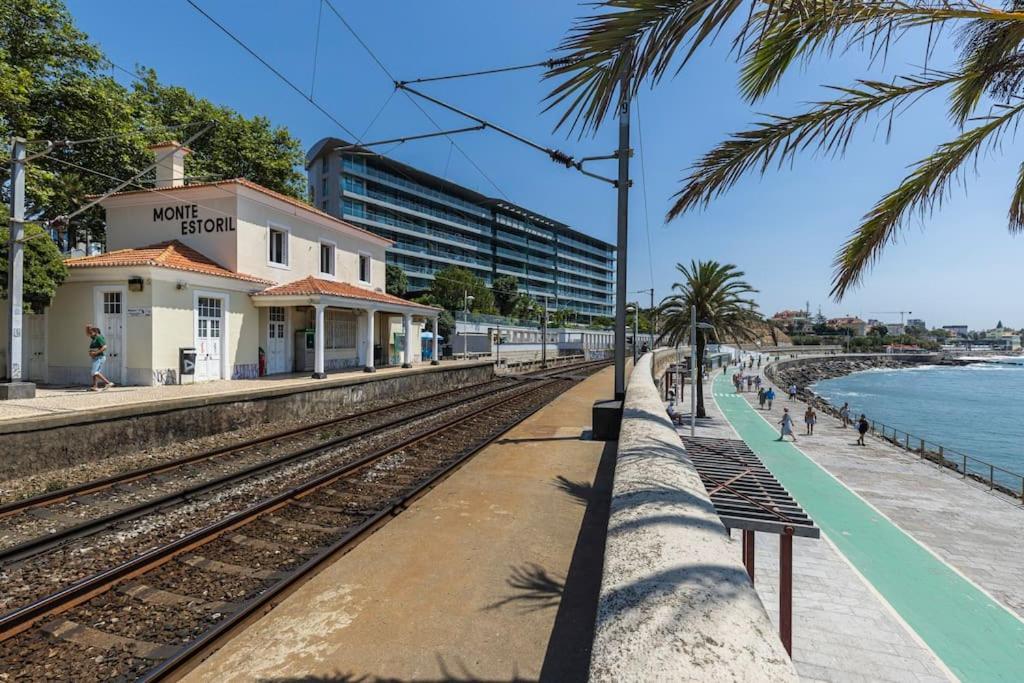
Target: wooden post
[
  {"x": 748, "y": 553},
  {"x": 786, "y": 590}
]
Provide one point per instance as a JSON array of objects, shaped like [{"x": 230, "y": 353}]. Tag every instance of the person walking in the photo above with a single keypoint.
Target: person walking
[
  {"x": 786, "y": 425},
  {"x": 844, "y": 415},
  {"x": 769, "y": 396},
  {"x": 98, "y": 353},
  {"x": 760, "y": 398},
  {"x": 792, "y": 392},
  {"x": 757, "y": 381},
  {"x": 862, "y": 429},
  {"x": 810, "y": 418}
]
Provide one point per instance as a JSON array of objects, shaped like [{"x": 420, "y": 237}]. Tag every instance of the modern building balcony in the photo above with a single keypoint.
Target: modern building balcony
[
  {"x": 602, "y": 252},
  {"x": 417, "y": 209},
  {"x": 379, "y": 175},
  {"x": 445, "y": 257},
  {"x": 588, "y": 260},
  {"x": 375, "y": 220}
]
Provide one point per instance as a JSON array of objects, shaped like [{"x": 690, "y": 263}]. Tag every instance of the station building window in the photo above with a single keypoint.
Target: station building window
[
  {"x": 364, "y": 268},
  {"x": 278, "y": 253},
  {"x": 339, "y": 332},
  {"x": 327, "y": 258}
]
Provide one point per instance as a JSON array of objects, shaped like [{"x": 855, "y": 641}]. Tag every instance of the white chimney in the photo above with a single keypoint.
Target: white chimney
[{"x": 170, "y": 164}]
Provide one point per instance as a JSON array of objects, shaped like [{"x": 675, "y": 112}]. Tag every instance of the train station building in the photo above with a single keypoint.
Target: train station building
[{"x": 256, "y": 282}]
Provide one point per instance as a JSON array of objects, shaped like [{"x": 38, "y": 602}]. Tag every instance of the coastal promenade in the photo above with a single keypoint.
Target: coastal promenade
[{"x": 938, "y": 553}]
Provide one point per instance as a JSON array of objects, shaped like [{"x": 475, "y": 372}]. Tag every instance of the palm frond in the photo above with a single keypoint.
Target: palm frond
[
  {"x": 827, "y": 127},
  {"x": 1017, "y": 203},
  {"x": 921, "y": 191}
]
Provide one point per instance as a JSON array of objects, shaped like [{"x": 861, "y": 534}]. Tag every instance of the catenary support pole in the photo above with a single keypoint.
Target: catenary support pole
[
  {"x": 368, "y": 366},
  {"x": 434, "y": 358},
  {"x": 16, "y": 260},
  {"x": 544, "y": 335},
  {"x": 318, "y": 353},
  {"x": 622, "y": 232}
]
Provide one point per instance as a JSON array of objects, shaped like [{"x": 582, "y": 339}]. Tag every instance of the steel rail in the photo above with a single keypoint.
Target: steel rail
[
  {"x": 18, "y": 620},
  {"x": 213, "y": 639},
  {"x": 39, "y": 544},
  {"x": 125, "y": 477}
]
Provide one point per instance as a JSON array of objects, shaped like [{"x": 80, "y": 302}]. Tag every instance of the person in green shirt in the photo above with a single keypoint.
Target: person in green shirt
[{"x": 98, "y": 353}]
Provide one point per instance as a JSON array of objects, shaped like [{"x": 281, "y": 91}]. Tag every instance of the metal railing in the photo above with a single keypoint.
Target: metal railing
[{"x": 967, "y": 466}]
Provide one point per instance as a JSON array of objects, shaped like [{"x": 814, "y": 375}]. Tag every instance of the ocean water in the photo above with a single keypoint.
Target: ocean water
[{"x": 975, "y": 409}]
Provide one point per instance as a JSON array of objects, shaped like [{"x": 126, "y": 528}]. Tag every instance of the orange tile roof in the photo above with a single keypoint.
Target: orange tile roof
[
  {"x": 252, "y": 186},
  {"x": 312, "y": 286},
  {"x": 172, "y": 254}
]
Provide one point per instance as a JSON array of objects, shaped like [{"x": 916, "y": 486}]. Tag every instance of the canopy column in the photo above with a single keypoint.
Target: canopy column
[
  {"x": 407, "y": 350},
  {"x": 434, "y": 358},
  {"x": 318, "y": 361},
  {"x": 368, "y": 365}
]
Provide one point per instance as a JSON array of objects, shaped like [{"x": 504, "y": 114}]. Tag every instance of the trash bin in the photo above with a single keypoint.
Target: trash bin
[{"x": 186, "y": 362}]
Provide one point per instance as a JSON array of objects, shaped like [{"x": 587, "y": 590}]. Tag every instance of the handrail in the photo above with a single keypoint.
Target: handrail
[{"x": 962, "y": 462}]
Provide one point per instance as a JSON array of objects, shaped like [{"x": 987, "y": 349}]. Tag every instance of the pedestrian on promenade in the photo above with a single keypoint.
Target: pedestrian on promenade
[
  {"x": 760, "y": 397},
  {"x": 862, "y": 429},
  {"x": 810, "y": 418},
  {"x": 769, "y": 396},
  {"x": 792, "y": 391},
  {"x": 844, "y": 415},
  {"x": 750, "y": 382},
  {"x": 98, "y": 353},
  {"x": 757, "y": 381},
  {"x": 786, "y": 425}
]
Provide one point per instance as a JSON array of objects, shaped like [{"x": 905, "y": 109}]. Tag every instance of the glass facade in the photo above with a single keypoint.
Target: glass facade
[{"x": 435, "y": 224}]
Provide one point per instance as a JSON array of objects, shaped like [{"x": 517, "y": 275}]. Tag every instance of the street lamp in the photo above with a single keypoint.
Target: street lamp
[
  {"x": 693, "y": 366},
  {"x": 467, "y": 299}
]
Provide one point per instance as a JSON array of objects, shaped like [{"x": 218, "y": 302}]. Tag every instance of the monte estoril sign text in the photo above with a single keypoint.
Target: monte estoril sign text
[{"x": 191, "y": 222}]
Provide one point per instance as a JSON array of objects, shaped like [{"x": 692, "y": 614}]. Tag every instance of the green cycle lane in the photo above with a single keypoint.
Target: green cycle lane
[{"x": 976, "y": 637}]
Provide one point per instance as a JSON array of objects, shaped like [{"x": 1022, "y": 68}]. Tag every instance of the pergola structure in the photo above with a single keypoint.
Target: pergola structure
[{"x": 748, "y": 497}]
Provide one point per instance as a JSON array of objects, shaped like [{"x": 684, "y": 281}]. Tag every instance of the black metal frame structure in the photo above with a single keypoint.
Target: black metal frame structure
[{"x": 748, "y": 497}]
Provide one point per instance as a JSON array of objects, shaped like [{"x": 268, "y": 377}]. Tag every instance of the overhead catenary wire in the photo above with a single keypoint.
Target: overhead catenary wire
[
  {"x": 271, "y": 68},
  {"x": 387, "y": 72},
  {"x": 643, "y": 180},
  {"x": 548, "y": 64}
]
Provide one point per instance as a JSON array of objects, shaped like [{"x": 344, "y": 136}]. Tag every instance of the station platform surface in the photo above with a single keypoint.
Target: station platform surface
[
  {"x": 492, "y": 575},
  {"x": 67, "y": 401},
  {"x": 934, "y": 551}
]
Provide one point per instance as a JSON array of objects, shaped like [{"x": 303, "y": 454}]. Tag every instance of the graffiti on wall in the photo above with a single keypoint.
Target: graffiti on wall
[
  {"x": 246, "y": 371},
  {"x": 165, "y": 376}
]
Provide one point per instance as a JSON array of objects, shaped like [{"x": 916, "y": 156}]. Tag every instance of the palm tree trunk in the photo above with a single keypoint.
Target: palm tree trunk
[{"x": 698, "y": 370}]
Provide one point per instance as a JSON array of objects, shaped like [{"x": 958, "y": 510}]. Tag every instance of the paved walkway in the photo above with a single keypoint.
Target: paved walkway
[
  {"x": 842, "y": 630},
  {"x": 66, "y": 400},
  {"x": 493, "y": 575},
  {"x": 974, "y": 634}
]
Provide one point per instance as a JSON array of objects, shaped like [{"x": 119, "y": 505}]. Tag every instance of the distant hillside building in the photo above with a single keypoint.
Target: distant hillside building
[
  {"x": 859, "y": 327},
  {"x": 435, "y": 223},
  {"x": 795, "y": 321},
  {"x": 956, "y": 330},
  {"x": 916, "y": 325}
]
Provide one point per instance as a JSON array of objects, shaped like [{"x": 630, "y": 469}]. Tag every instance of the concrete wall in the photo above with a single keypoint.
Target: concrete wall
[
  {"x": 675, "y": 602},
  {"x": 36, "y": 445}
]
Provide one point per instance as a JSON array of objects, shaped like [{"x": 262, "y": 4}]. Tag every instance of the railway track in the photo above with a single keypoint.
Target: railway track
[{"x": 148, "y": 613}]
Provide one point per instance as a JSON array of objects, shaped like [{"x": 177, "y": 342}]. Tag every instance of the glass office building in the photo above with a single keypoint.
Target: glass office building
[{"x": 436, "y": 224}]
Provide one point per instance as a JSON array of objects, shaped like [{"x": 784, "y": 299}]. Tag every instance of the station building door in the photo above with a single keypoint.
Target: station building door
[
  {"x": 277, "y": 340},
  {"x": 110, "y": 319},
  {"x": 34, "y": 347},
  {"x": 209, "y": 337}
]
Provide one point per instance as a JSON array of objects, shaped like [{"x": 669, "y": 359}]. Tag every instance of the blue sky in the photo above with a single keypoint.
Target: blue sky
[{"x": 957, "y": 266}]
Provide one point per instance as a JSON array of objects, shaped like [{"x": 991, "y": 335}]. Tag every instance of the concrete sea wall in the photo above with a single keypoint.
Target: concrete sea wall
[
  {"x": 675, "y": 602},
  {"x": 40, "y": 444}
]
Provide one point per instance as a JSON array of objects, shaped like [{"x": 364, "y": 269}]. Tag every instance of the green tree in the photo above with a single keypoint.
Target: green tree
[
  {"x": 525, "y": 307},
  {"x": 452, "y": 284},
  {"x": 44, "y": 267},
  {"x": 983, "y": 85},
  {"x": 602, "y": 322},
  {"x": 56, "y": 85},
  {"x": 396, "y": 282},
  {"x": 722, "y": 298},
  {"x": 879, "y": 331},
  {"x": 506, "y": 291}
]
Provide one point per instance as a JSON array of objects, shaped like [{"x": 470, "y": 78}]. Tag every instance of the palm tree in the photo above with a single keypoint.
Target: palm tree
[
  {"x": 651, "y": 38},
  {"x": 722, "y": 299}
]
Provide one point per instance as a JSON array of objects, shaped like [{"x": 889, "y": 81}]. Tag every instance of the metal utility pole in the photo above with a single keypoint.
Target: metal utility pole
[
  {"x": 544, "y": 335},
  {"x": 466, "y": 301},
  {"x": 693, "y": 370},
  {"x": 622, "y": 233},
  {"x": 16, "y": 271}
]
